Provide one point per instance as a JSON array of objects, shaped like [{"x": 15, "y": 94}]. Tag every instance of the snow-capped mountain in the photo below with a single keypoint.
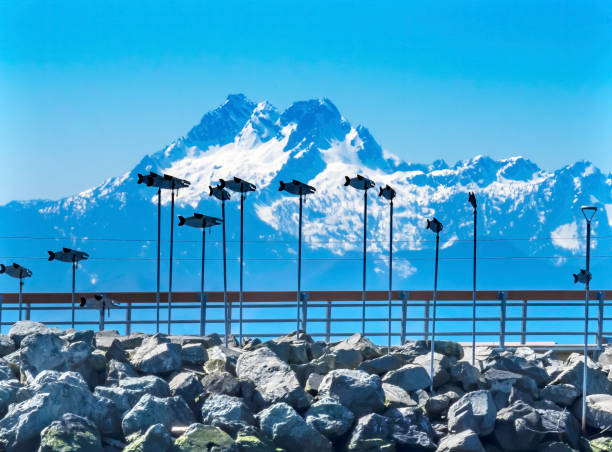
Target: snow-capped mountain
[{"x": 526, "y": 214}]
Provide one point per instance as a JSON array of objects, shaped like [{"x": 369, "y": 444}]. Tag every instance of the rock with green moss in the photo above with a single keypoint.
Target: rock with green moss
[
  {"x": 71, "y": 433},
  {"x": 200, "y": 437},
  {"x": 156, "y": 439},
  {"x": 250, "y": 439},
  {"x": 603, "y": 444}
]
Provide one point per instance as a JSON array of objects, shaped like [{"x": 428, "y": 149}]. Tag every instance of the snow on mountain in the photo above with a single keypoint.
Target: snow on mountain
[{"x": 311, "y": 141}]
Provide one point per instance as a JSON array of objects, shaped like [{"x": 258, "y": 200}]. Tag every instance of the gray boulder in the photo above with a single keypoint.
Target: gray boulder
[
  {"x": 86, "y": 336},
  {"x": 597, "y": 380},
  {"x": 228, "y": 413},
  {"x": 47, "y": 351},
  {"x": 371, "y": 433},
  {"x": 442, "y": 364},
  {"x": 149, "y": 384},
  {"x": 157, "y": 355},
  {"x": 396, "y": 397},
  {"x": 382, "y": 364},
  {"x": 312, "y": 383},
  {"x": 117, "y": 370},
  {"x": 474, "y": 411},
  {"x": 194, "y": 354},
  {"x": 465, "y": 441},
  {"x": 71, "y": 433},
  {"x": 599, "y": 410},
  {"x": 409, "y": 377},
  {"x": 411, "y": 429},
  {"x": 151, "y": 410},
  {"x": 360, "y": 343},
  {"x": 6, "y": 345},
  {"x": 518, "y": 428},
  {"x": 6, "y": 372},
  {"x": 157, "y": 438},
  {"x": 561, "y": 394},
  {"x": 604, "y": 359},
  {"x": 360, "y": 392},
  {"x": 448, "y": 348},
  {"x": 465, "y": 374},
  {"x": 199, "y": 437},
  {"x": 288, "y": 430},
  {"x": 560, "y": 426},
  {"x": 347, "y": 358},
  {"x": 54, "y": 395},
  {"x": 330, "y": 418},
  {"x": 221, "y": 383},
  {"x": 273, "y": 378},
  {"x": 521, "y": 366},
  {"x": 11, "y": 391},
  {"x": 186, "y": 385},
  {"x": 24, "y": 328}
]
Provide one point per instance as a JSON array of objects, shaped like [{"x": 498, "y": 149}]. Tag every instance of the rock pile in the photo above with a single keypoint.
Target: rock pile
[{"x": 85, "y": 391}]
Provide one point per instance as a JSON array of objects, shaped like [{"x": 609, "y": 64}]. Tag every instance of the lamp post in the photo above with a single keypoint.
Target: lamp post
[
  {"x": 243, "y": 187},
  {"x": 472, "y": 201},
  {"x": 222, "y": 195},
  {"x": 165, "y": 182},
  {"x": 584, "y": 277},
  {"x": 388, "y": 193},
  {"x": 17, "y": 271},
  {"x": 298, "y": 188},
  {"x": 203, "y": 222},
  {"x": 74, "y": 257},
  {"x": 362, "y": 183},
  {"x": 435, "y": 227}
]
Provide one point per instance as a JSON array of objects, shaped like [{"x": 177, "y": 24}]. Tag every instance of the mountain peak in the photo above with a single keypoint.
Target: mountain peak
[{"x": 221, "y": 125}]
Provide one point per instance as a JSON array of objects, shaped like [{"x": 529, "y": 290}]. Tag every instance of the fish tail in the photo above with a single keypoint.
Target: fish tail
[
  {"x": 83, "y": 301},
  {"x": 2, "y": 268},
  {"x": 211, "y": 190},
  {"x": 282, "y": 186},
  {"x": 575, "y": 278},
  {"x": 181, "y": 220},
  {"x": 347, "y": 182},
  {"x": 51, "y": 255},
  {"x": 140, "y": 178},
  {"x": 380, "y": 192},
  {"x": 221, "y": 183}
]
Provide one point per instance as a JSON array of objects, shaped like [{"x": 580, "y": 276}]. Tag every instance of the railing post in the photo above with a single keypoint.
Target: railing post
[
  {"x": 128, "y": 319},
  {"x": 328, "y": 312},
  {"x": 601, "y": 296},
  {"x": 304, "y": 297},
  {"x": 203, "y": 300},
  {"x": 101, "y": 319},
  {"x": 524, "y": 323},
  {"x": 502, "y": 295},
  {"x": 404, "y": 296},
  {"x": 426, "y": 321},
  {"x": 27, "y": 313},
  {"x": 1, "y": 307}
]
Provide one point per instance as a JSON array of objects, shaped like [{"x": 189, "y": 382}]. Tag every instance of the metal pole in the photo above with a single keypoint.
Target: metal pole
[
  {"x": 242, "y": 196},
  {"x": 363, "y": 290},
  {"x": 227, "y": 309},
  {"x": 158, "y": 257},
  {"x": 171, "y": 251},
  {"x": 586, "y": 326},
  {"x": 73, "y": 284},
  {"x": 202, "y": 299},
  {"x": 299, "y": 282},
  {"x": 390, "y": 273},
  {"x": 474, "y": 298},
  {"x": 20, "y": 295},
  {"x": 433, "y": 325}
]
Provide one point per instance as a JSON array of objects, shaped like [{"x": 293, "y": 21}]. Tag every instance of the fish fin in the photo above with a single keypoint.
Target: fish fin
[
  {"x": 168, "y": 177},
  {"x": 152, "y": 174},
  {"x": 66, "y": 250},
  {"x": 360, "y": 177},
  {"x": 140, "y": 178},
  {"x": 15, "y": 265},
  {"x": 198, "y": 215},
  {"x": 98, "y": 297},
  {"x": 221, "y": 183},
  {"x": 237, "y": 180},
  {"x": 51, "y": 255},
  {"x": 2, "y": 268},
  {"x": 347, "y": 182},
  {"x": 282, "y": 186},
  {"x": 296, "y": 182},
  {"x": 83, "y": 301},
  {"x": 181, "y": 220}
]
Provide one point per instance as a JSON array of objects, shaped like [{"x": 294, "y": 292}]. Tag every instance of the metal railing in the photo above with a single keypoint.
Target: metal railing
[{"x": 502, "y": 315}]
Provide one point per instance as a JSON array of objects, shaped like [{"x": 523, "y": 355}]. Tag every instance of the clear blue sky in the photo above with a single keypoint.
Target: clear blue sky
[{"x": 87, "y": 88}]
